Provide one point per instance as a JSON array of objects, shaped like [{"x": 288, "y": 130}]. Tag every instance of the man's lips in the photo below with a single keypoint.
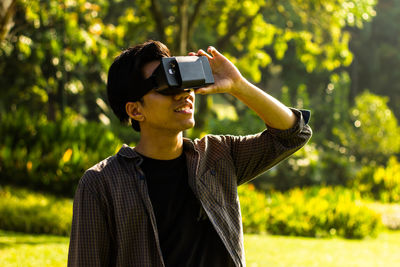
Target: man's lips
[{"x": 187, "y": 107}]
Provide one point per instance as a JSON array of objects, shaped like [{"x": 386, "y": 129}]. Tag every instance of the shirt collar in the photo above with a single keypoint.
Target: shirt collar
[{"x": 127, "y": 152}]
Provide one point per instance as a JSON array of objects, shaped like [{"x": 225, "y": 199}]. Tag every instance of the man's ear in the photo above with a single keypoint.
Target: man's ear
[{"x": 133, "y": 109}]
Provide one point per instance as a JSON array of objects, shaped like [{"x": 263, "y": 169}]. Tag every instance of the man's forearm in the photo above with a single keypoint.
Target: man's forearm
[
  {"x": 274, "y": 113},
  {"x": 229, "y": 80}
]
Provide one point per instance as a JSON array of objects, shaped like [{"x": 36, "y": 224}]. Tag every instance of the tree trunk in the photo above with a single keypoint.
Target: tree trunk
[
  {"x": 192, "y": 22},
  {"x": 158, "y": 16},
  {"x": 183, "y": 27},
  {"x": 7, "y": 9},
  {"x": 51, "y": 111},
  {"x": 202, "y": 114}
]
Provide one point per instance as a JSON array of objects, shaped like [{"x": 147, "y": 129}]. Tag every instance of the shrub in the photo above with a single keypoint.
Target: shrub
[
  {"x": 312, "y": 165},
  {"x": 388, "y": 181},
  {"x": 301, "y": 169},
  {"x": 321, "y": 212},
  {"x": 390, "y": 213},
  {"x": 51, "y": 156},
  {"x": 312, "y": 212},
  {"x": 379, "y": 182},
  {"x": 24, "y": 211},
  {"x": 252, "y": 204},
  {"x": 374, "y": 133}
]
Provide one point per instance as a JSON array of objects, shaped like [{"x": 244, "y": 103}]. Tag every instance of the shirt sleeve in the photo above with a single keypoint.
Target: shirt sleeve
[
  {"x": 89, "y": 242},
  {"x": 255, "y": 154}
]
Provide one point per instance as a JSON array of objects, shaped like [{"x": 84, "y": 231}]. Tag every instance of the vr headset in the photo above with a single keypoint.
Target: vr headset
[{"x": 174, "y": 75}]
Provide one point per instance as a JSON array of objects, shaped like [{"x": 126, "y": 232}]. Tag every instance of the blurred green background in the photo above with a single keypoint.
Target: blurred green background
[{"x": 340, "y": 59}]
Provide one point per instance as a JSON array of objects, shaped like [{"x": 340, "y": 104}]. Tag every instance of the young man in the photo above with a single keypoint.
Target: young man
[{"x": 171, "y": 201}]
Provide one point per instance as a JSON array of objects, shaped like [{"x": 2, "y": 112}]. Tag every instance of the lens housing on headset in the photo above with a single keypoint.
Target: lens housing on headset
[{"x": 174, "y": 75}]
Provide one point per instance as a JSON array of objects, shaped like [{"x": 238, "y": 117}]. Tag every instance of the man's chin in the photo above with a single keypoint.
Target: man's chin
[{"x": 189, "y": 125}]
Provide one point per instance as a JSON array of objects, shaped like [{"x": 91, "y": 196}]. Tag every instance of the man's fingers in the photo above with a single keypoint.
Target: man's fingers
[
  {"x": 213, "y": 51},
  {"x": 201, "y": 52},
  {"x": 201, "y": 91},
  {"x": 210, "y": 89}
]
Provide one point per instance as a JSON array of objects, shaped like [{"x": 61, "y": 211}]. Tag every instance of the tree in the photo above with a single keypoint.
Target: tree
[
  {"x": 58, "y": 52},
  {"x": 309, "y": 70},
  {"x": 376, "y": 54},
  {"x": 259, "y": 36}
]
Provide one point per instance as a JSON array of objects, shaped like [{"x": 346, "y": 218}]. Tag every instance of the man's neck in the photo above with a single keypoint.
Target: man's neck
[{"x": 163, "y": 147}]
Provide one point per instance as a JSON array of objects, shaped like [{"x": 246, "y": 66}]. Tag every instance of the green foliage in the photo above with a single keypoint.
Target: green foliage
[
  {"x": 51, "y": 156},
  {"x": 321, "y": 212},
  {"x": 311, "y": 165},
  {"x": 252, "y": 204},
  {"x": 334, "y": 158},
  {"x": 313, "y": 212},
  {"x": 57, "y": 55},
  {"x": 390, "y": 213},
  {"x": 24, "y": 211},
  {"x": 248, "y": 123},
  {"x": 336, "y": 107},
  {"x": 389, "y": 180},
  {"x": 376, "y": 54},
  {"x": 379, "y": 182},
  {"x": 374, "y": 135},
  {"x": 303, "y": 168},
  {"x": 253, "y": 26}
]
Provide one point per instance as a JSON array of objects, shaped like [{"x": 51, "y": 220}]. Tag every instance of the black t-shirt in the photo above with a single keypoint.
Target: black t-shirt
[{"x": 186, "y": 238}]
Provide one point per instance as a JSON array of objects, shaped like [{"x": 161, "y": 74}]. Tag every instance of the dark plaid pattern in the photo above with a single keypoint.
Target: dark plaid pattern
[{"x": 113, "y": 220}]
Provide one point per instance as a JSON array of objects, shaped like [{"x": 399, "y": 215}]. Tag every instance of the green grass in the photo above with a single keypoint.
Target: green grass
[
  {"x": 261, "y": 250},
  {"x": 26, "y": 250},
  {"x": 277, "y": 251}
]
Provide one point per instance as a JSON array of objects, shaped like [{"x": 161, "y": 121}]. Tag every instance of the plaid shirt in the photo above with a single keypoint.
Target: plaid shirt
[{"x": 113, "y": 220}]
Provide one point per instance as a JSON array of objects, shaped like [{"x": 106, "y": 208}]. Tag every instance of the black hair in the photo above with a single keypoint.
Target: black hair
[{"x": 125, "y": 77}]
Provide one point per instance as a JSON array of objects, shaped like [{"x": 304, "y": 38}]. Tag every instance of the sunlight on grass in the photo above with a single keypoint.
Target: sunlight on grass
[
  {"x": 275, "y": 251},
  {"x": 32, "y": 250},
  {"x": 261, "y": 250}
]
